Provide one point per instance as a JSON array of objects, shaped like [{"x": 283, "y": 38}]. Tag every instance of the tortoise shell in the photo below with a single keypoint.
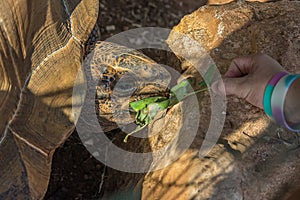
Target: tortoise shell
[{"x": 41, "y": 51}]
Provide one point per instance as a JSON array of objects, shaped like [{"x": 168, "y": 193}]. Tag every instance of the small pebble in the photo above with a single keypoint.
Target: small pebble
[
  {"x": 96, "y": 154},
  {"x": 247, "y": 107},
  {"x": 110, "y": 28},
  {"x": 267, "y": 138},
  {"x": 98, "y": 166},
  {"x": 89, "y": 142},
  {"x": 236, "y": 100},
  {"x": 139, "y": 41},
  {"x": 236, "y": 45}
]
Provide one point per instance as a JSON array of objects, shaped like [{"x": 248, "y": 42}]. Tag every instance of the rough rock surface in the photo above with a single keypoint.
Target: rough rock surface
[
  {"x": 254, "y": 158},
  {"x": 223, "y": 2}
]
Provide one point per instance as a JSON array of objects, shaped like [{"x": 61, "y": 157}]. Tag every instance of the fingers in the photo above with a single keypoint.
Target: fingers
[
  {"x": 232, "y": 86},
  {"x": 247, "y": 78},
  {"x": 240, "y": 67}
]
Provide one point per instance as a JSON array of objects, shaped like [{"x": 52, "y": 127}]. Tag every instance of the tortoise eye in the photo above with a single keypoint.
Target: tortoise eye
[{"x": 125, "y": 86}]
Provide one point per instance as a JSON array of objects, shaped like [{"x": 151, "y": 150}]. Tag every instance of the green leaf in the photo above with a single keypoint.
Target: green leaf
[
  {"x": 202, "y": 84},
  {"x": 208, "y": 77},
  {"x": 153, "y": 108},
  {"x": 179, "y": 91},
  {"x": 141, "y": 104},
  {"x": 179, "y": 86},
  {"x": 141, "y": 116},
  {"x": 146, "y": 109},
  {"x": 144, "y": 116}
]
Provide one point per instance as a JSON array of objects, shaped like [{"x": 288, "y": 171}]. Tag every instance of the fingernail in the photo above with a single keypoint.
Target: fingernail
[
  {"x": 215, "y": 87},
  {"x": 218, "y": 88}
]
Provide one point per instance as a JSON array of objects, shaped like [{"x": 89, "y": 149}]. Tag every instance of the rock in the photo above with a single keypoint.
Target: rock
[
  {"x": 223, "y": 2},
  {"x": 244, "y": 28},
  {"x": 242, "y": 165},
  {"x": 110, "y": 28},
  {"x": 235, "y": 100},
  {"x": 219, "y": 2}
]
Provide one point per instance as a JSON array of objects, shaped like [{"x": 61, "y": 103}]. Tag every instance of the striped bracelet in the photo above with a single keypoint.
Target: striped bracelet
[
  {"x": 268, "y": 93},
  {"x": 278, "y": 99}
]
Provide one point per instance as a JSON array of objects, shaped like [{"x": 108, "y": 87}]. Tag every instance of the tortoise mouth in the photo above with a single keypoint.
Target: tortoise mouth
[
  {"x": 116, "y": 109},
  {"x": 113, "y": 114},
  {"x": 132, "y": 94}
]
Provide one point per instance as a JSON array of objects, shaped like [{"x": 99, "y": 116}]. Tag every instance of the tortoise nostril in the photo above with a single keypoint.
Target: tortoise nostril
[{"x": 111, "y": 79}]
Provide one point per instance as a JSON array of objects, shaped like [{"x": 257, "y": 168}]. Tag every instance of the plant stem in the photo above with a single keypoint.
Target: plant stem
[
  {"x": 133, "y": 132},
  {"x": 195, "y": 92}
]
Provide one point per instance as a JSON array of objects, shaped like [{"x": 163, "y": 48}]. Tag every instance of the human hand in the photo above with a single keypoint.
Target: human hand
[{"x": 247, "y": 78}]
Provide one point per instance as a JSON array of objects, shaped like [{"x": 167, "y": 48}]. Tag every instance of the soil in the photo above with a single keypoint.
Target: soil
[{"x": 75, "y": 173}]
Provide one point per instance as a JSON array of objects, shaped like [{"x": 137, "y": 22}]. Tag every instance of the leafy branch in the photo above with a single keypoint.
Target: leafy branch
[{"x": 146, "y": 109}]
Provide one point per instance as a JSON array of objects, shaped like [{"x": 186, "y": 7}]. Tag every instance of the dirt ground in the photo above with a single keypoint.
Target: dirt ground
[{"x": 75, "y": 173}]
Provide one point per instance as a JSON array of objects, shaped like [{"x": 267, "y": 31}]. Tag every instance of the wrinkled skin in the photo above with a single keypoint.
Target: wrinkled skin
[{"x": 122, "y": 75}]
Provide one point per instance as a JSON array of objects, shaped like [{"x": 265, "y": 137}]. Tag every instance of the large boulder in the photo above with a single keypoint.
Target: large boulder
[{"x": 254, "y": 158}]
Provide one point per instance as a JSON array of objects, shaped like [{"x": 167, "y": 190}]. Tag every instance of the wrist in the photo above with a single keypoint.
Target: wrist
[{"x": 292, "y": 103}]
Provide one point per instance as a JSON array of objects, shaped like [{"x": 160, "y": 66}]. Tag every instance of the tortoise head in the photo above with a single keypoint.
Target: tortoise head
[{"x": 124, "y": 75}]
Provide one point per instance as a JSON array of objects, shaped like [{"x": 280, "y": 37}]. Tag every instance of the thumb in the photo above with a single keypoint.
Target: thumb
[{"x": 231, "y": 86}]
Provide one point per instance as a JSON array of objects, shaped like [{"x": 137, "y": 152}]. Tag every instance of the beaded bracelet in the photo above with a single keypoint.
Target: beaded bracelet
[
  {"x": 268, "y": 93},
  {"x": 278, "y": 98}
]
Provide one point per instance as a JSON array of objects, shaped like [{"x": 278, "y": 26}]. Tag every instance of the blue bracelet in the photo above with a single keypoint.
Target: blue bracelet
[
  {"x": 268, "y": 93},
  {"x": 278, "y": 99}
]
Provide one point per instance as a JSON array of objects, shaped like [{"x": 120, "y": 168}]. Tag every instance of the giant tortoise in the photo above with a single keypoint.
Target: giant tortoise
[{"x": 42, "y": 50}]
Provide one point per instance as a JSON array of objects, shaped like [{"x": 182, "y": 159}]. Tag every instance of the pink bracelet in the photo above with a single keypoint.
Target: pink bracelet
[{"x": 278, "y": 99}]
